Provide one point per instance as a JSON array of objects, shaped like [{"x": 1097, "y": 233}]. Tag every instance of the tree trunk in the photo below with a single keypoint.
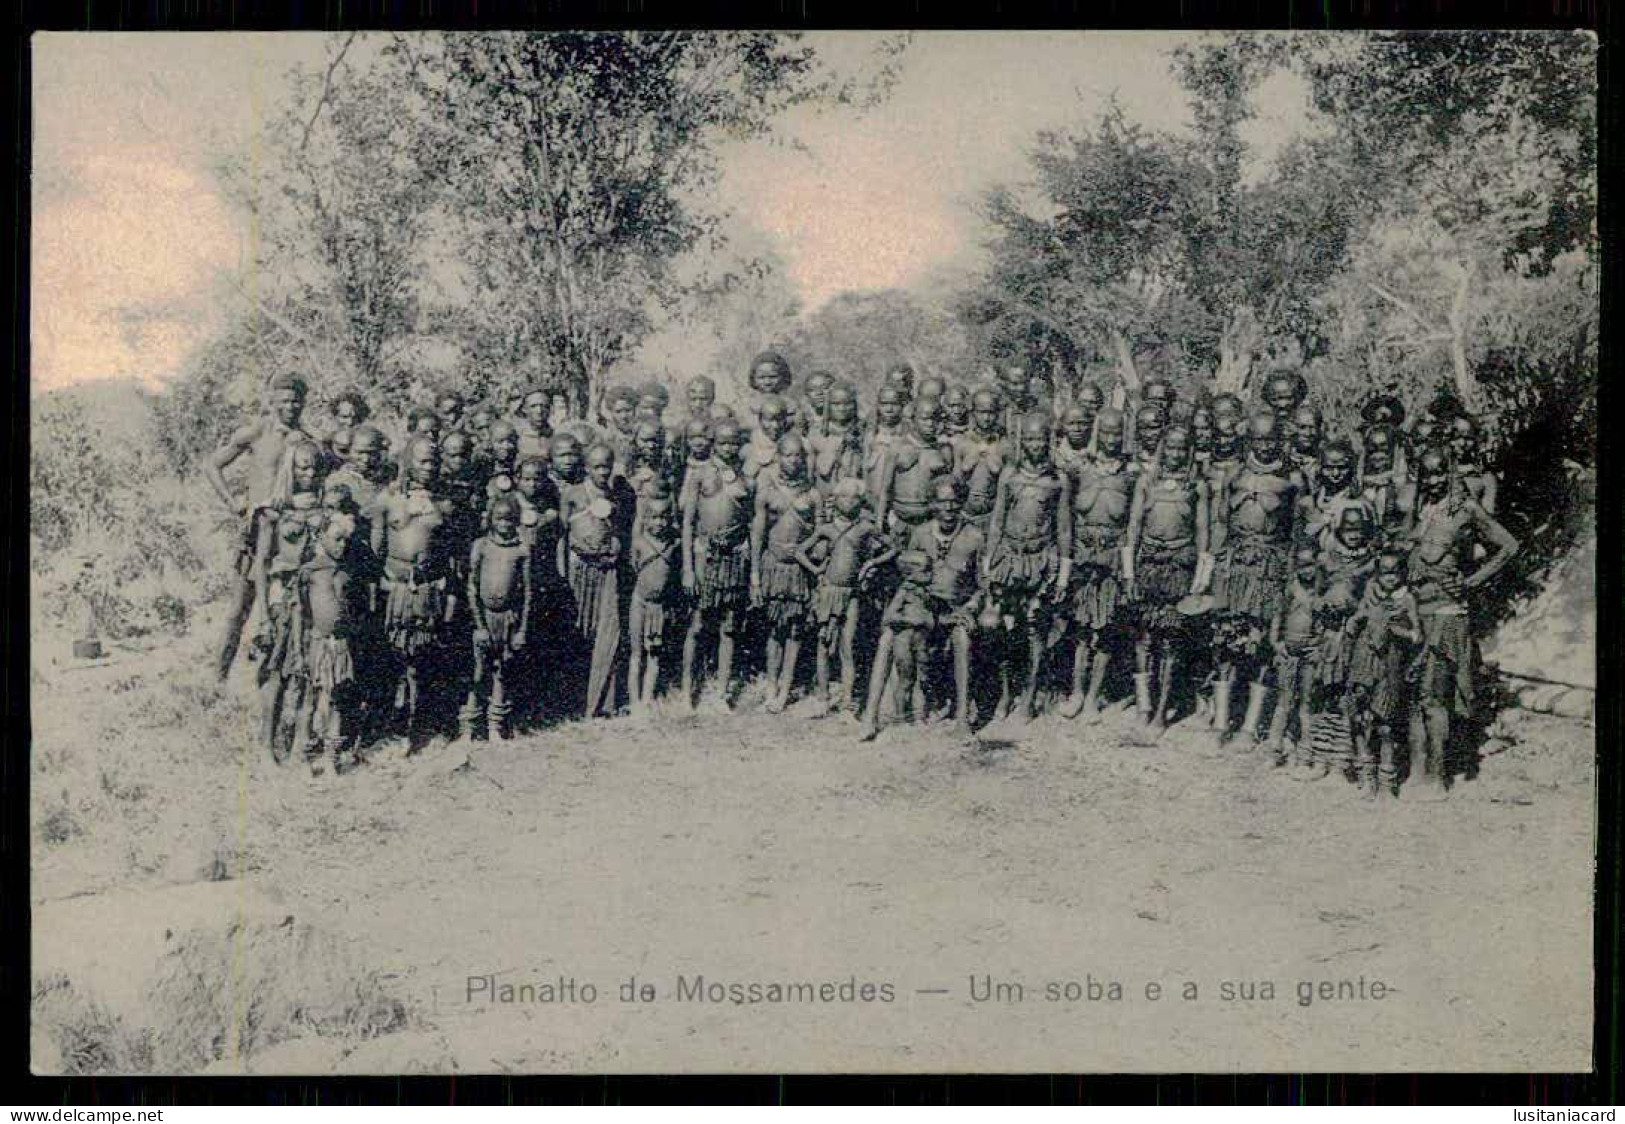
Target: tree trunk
[
  {"x": 1128, "y": 375},
  {"x": 1467, "y": 388},
  {"x": 1237, "y": 352},
  {"x": 578, "y": 390}
]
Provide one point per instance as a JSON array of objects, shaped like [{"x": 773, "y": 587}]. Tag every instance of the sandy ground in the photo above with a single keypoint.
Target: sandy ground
[{"x": 754, "y": 849}]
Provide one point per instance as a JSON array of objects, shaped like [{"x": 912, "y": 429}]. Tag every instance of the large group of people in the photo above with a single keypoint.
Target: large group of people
[{"x": 958, "y": 552}]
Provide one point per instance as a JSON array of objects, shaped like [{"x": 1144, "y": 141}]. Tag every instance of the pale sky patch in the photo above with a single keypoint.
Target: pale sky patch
[{"x": 132, "y": 237}]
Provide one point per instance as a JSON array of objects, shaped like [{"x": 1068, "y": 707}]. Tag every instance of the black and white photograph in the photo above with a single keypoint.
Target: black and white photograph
[{"x": 780, "y": 552}]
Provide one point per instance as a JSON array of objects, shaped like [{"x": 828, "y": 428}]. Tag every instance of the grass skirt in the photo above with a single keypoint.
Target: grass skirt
[
  {"x": 1376, "y": 675},
  {"x": 590, "y": 580},
  {"x": 331, "y": 665},
  {"x": 1017, "y": 578},
  {"x": 1162, "y": 578},
  {"x": 1332, "y": 664},
  {"x": 1098, "y": 596},
  {"x": 413, "y": 614},
  {"x": 1447, "y": 664},
  {"x": 1096, "y": 546},
  {"x": 723, "y": 580},
  {"x": 1016, "y": 575},
  {"x": 787, "y": 590},
  {"x": 1250, "y": 577}
]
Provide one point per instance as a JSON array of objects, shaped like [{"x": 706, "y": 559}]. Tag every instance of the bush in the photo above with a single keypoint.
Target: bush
[{"x": 111, "y": 534}]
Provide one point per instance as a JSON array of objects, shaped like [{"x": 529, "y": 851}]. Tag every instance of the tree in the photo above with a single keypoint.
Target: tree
[
  {"x": 1087, "y": 260},
  {"x": 340, "y": 200},
  {"x": 858, "y": 336},
  {"x": 1135, "y": 244},
  {"x": 1438, "y": 220},
  {"x": 1257, "y": 248},
  {"x": 1474, "y": 158},
  {"x": 578, "y": 166},
  {"x": 735, "y": 307}
]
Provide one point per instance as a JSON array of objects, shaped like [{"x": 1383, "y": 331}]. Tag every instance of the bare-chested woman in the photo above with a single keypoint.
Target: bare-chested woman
[
  {"x": 912, "y": 470},
  {"x": 1252, "y": 525},
  {"x": 592, "y": 520},
  {"x": 1167, "y": 539},
  {"x": 718, "y": 503},
  {"x": 837, "y": 446},
  {"x": 886, "y": 434},
  {"x": 785, "y": 519},
  {"x": 979, "y": 456},
  {"x": 1029, "y": 552},
  {"x": 773, "y": 420},
  {"x": 1102, "y": 494}
]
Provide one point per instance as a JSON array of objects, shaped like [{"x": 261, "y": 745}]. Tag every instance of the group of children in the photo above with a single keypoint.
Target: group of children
[{"x": 490, "y": 572}]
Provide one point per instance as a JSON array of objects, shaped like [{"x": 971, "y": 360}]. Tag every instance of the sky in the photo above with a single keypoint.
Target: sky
[{"x": 132, "y": 239}]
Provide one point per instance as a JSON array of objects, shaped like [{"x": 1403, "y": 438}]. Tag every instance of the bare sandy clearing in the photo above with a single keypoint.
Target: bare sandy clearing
[{"x": 750, "y": 849}]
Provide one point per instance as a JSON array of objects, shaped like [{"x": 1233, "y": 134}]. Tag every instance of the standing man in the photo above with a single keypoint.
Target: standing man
[
  {"x": 955, "y": 550},
  {"x": 265, "y": 444},
  {"x": 593, "y": 548}
]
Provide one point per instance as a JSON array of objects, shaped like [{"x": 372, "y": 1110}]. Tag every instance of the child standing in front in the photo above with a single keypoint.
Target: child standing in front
[
  {"x": 656, "y": 586},
  {"x": 1295, "y": 637},
  {"x": 499, "y": 597},
  {"x": 845, "y": 550},
  {"x": 326, "y": 718}
]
